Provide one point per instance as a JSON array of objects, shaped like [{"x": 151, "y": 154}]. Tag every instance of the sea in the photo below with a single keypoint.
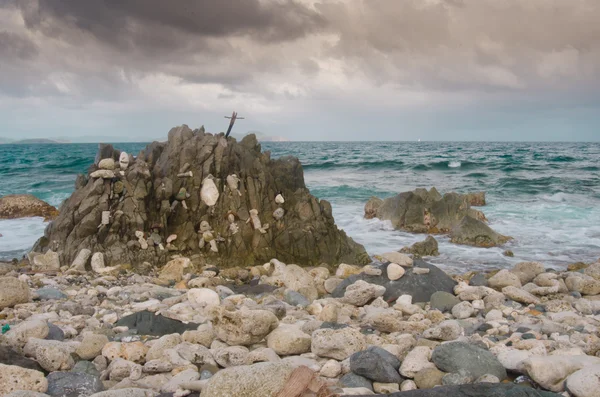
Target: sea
[{"x": 545, "y": 195}]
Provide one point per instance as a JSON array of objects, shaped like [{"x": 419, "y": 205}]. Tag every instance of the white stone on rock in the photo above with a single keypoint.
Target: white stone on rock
[
  {"x": 209, "y": 193},
  {"x": 421, "y": 270},
  {"x": 361, "y": 292},
  {"x": 331, "y": 369},
  {"x": 107, "y": 164},
  {"x": 104, "y": 174},
  {"x": 203, "y": 298},
  {"x": 288, "y": 339},
  {"x": 123, "y": 161},
  {"x": 279, "y": 199},
  {"x": 278, "y": 213},
  {"x": 504, "y": 278},
  {"x": 171, "y": 238},
  {"x": 550, "y": 372},
  {"x": 398, "y": 258},
  {"x": 585, "y": 382},
  {"x": 81, "y": 260},
  {"x": 520, "y": 295},
  {"x": 463, "y": 310},
  {"x": 233, "y": 182},
  {"x": 337, "y": 344},
  {"x": 395, "y": 271},
  {"x": 416, "y": 360}
]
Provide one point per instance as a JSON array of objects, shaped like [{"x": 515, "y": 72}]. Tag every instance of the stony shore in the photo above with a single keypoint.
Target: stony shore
[{"x": 394, "y": 326}]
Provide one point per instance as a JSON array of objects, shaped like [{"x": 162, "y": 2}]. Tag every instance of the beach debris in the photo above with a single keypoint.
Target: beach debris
[{"x": 209, "y": 194}]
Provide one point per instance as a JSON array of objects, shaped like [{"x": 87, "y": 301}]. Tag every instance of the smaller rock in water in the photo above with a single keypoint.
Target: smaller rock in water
[
  {"x": 429, "y": 247},
  {"x": 25, "y": 206}
]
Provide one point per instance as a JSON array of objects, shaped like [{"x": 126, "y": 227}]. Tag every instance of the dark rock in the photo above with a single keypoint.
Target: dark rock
[
  {"x": 8, "y": 356},
  {"x": 522, "y": 330},
  {"x": 307, "y": 234},
  {"x": 477, "y": 390},
  {"x": 353, "y": 380},
  {"x": 456, "y": 356},
  {"x": 478, "y": 280},
  {"x": 330, "y": 325},
  {"x": 419, "y": 286},
  {"x": 508, "y": 253},
  {"x": 484, "y": 327},
  {"x": 73, "y": 384},
  {"x": 50, "y": 294},
  {"x": 252, "y": 290},
  {"x": 55, "y": 333},
  {"x": 457, "y": 378},
  {"x": 277, "y": 307},
  {"x": 429, "y": 247},
  {"x": 528, "y": 336},
  {"x": 376, "y": 364},
  {"x": 25, "y": 206},
  {"x": 86, "y": 367},
  {"x": 147, "y": 323},
  {"x": 443, "y": 301},
  {"x": 295, "y": 298},
  {"x": 471, "y": 231}
]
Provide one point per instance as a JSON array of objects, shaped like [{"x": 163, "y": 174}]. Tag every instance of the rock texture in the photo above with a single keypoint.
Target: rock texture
[
  {"x": 25, "y": 206},
  {"x": 422, "y": 211},
  {"x": 217, "y": 195}
]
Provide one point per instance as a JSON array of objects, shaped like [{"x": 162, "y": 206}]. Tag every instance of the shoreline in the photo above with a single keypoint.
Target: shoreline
[{"x": 287, "y": 329}]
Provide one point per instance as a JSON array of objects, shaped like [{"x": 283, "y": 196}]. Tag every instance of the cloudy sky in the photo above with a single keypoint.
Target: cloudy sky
[{"x": 302, "y": 69}]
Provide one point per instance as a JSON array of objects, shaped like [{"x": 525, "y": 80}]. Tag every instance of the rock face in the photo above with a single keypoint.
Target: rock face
[
  {"x": 165, "y": 190},
  {"x": 422, "y": 211},
  {"x": 25, "y": 206}
]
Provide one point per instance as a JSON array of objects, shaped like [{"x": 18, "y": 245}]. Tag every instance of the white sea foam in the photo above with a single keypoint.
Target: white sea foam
[
  {"x": 454, "y": 164},
  {"x": 19, "y": 235}
]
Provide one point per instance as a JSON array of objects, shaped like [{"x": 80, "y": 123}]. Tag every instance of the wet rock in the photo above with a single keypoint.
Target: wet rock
[
  {"x": 71, "y": 384},
  {"x": 377, "y": 365},
  {"x": 471, "y": 231},
  {"x": 12, "y": 292},
  {"x": 25, "y": 206},
  {"x": 429, "y": 247},
  {"x": 454, "y": 356},
  {"x": 147, "y": 323},
  {"x": 419, "y": 286}
]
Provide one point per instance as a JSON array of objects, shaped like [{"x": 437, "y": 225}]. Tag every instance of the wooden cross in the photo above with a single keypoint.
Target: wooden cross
[{"x": 233, "y": 118}]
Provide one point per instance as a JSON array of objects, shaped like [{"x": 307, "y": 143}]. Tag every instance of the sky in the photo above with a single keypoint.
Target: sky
[{"x": 305, "y": 70}]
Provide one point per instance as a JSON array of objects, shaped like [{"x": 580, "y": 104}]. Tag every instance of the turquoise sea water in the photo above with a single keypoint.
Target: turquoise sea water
[{"x": 546, "y": 195}]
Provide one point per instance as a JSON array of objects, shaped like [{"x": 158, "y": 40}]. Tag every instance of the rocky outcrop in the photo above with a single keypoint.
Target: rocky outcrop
[
  {"x": 25, "y": 206},
  {"x": 198, "y": 194},
  {"x": 422, "y": 211}
]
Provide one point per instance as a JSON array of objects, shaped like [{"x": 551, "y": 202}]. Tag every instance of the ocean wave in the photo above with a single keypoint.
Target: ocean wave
[
  {"x": 391, "y": 164},
  {"x": 476, "y": 175},
  {"x": 454, "y": 164},
  {"x": 562, "y": 159}
]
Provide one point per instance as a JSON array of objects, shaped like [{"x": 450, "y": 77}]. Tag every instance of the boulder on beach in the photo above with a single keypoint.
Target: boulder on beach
[
  {"x": 414, "y": 283},
  {"x": 25, "y": 206},
  {"x": 423, "y": 211},
  {"x": 227, "y": 202}
]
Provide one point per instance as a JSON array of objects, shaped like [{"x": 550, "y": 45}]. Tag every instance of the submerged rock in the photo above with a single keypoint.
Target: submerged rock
[
  {"x": 422, "y": 211},
  {"x": 149, "y": 203},
  {"x": 428, "y": 247}
]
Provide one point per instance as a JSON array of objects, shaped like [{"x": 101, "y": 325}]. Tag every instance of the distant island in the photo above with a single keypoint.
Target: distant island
[{"x": 29, "y": 141}]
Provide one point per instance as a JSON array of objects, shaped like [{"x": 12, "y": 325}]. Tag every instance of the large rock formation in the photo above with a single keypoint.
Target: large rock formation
[
  {"x": 422, "y": 211},
  {"x": 25, "y": 206},
  {"x": 204, "y": 196}
]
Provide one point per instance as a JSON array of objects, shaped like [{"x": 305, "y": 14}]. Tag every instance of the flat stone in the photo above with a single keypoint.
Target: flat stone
[
  {"x": 50, "y": 294},
  {"x": 148, "y": 323}
]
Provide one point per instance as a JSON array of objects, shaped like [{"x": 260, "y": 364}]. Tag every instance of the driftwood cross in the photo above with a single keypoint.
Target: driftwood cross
[{"x": 233, "y": 118}]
